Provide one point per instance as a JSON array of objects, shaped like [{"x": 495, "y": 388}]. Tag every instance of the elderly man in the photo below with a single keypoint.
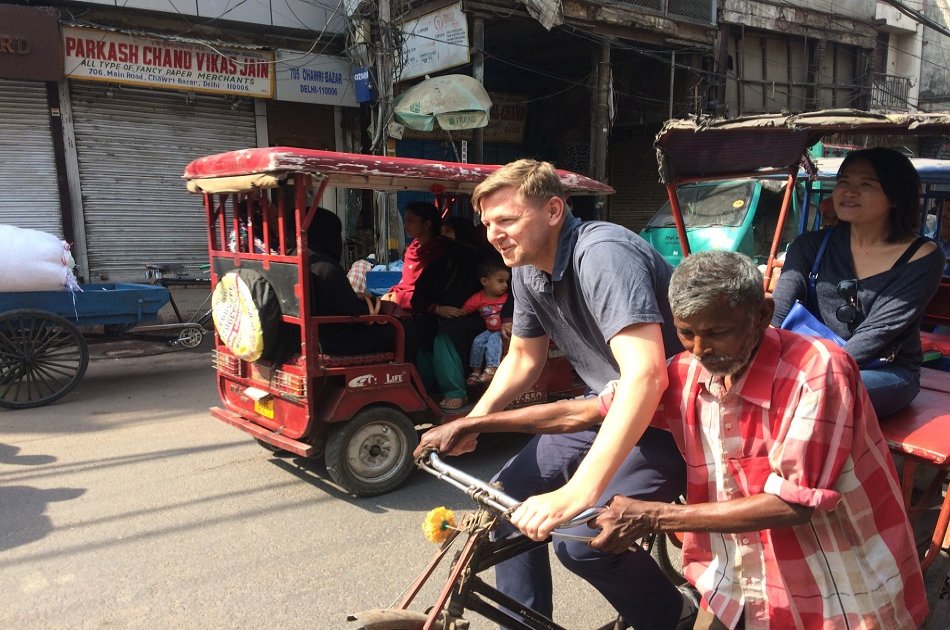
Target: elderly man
[
  {"x": 599, "y": 292},
  {"x": 794, "y": 515}
]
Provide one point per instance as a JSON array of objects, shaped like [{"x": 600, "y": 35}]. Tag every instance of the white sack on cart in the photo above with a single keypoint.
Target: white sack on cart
[{"x": 31, "y": 260}]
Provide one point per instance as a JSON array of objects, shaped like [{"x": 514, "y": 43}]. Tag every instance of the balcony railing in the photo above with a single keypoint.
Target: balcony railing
[
  {"x": 699, "y": 10},
  {"x": 890, "y": 91}
]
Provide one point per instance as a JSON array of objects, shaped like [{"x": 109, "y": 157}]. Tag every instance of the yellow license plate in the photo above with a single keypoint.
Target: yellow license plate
[{"x": 265, "y": 407}]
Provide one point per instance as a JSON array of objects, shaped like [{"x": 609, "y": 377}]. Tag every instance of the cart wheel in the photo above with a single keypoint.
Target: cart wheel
[
  {"x": 372, "y": 453},
  {"x": 42, "y": 358},
  {"x": 190, "y": 337}
]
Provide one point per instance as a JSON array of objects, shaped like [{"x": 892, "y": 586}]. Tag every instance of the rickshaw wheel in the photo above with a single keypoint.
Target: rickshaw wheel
[
  {"x": 372, "y": 453},
  {"x": 42, "y": 358},
  {"x": 190, "y": 337}
]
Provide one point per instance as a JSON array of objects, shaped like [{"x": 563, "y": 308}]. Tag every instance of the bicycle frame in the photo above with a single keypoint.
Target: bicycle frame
[{"x": 464, "y": 589}]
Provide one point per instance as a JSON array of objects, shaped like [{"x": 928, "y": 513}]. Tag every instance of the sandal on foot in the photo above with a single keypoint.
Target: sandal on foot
[
  {"x": 487, "y": 375},
  {"x": 474, "y": 378},
  {"x": 452, "y": 404}
]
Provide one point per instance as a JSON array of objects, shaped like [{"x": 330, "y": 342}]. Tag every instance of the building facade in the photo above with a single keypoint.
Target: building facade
[{"x": 102, "y": 106}]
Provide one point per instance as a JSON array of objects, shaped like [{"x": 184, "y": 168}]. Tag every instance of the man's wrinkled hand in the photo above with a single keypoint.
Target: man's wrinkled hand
[
  {"x": 623, "y": 523},
  {"x": 447, "y": 439}
]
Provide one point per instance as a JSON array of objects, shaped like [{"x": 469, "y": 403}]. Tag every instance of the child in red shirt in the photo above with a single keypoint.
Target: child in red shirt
[{"x": 487, "y": 346}]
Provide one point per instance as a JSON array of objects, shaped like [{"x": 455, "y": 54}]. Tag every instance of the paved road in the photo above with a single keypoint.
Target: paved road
[{"x": 126, "y": 505}]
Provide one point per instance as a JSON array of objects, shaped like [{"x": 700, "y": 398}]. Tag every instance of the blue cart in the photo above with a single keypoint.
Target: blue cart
[{"x": 43, "y": 335}]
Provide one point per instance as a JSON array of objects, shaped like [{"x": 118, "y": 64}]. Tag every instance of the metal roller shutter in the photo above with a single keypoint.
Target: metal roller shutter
[
  {"x": 133, "y": 146},
  {"x": 633, "y": 173},
  {"x": 30, "y": 197}
]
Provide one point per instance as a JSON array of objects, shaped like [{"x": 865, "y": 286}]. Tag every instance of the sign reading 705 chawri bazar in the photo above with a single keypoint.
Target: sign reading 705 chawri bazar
[{"x": 97, "y": 55}]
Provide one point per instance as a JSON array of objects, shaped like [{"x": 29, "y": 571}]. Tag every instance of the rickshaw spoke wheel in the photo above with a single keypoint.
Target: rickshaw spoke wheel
[
  {"x": 42, "y": 358},
  {"x": 372, "y": 453}
]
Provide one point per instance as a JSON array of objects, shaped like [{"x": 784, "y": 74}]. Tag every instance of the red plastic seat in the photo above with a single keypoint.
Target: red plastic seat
[{"x": 921, "y": 433}]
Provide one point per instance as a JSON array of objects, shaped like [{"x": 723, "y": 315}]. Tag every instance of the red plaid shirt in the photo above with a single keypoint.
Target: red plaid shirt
[{"x": 798, "y": 424}]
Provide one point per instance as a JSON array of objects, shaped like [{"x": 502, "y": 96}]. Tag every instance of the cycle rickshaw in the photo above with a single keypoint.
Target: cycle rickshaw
[{"x": 695, "y": 151}]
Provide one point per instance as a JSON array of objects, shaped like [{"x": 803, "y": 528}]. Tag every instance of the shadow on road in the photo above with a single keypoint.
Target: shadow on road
[
  {"x": 9, "y": 455},
  {"x": 420, "y": 491},
  {"x": 23, "y": 513}
]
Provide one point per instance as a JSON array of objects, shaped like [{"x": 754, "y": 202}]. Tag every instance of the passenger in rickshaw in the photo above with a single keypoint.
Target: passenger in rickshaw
[
  {"x": 249, "y": 211},
  {"x": 599, "y": 291},
  {"x": 422, "y": 225},
  {"x": 438, "y": 276},
  {"x": 488, "y": 304},
  {"x": 794, "y": 517},
  {"x": 875, "y": 275},
  {"x": 453, "y": 342},
  {"x": 331, "y": 294}
]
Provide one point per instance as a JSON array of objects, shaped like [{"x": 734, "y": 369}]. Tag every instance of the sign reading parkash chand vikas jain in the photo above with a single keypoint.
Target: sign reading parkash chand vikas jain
[{"x": 97, "y": 55}]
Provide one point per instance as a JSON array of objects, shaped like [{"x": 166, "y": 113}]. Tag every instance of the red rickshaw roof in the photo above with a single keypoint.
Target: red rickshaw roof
[{"x": 365, "y": 171}]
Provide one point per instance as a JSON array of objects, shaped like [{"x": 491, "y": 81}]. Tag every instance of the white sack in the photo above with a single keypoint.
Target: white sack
[{"x": 31, "y": 260}]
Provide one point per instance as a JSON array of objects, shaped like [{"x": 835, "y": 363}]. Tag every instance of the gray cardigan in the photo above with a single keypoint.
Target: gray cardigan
[{"x": 893, "y": 302}]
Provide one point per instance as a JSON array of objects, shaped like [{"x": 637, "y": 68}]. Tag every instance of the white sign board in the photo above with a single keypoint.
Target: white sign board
[
  {"x": 95, "y": 55},
  {"x": 434, "y": 42},
  {"x": 310, "y": 78}
]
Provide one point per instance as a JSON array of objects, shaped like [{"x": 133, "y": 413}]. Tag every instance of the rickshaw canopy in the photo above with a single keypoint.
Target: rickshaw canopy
[
  {"x": 758, "y": 145},
  {"x": 250, "y": 169}
]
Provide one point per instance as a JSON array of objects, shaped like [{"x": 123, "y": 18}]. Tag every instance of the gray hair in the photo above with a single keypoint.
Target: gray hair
[{"x": 710, "y": 277}]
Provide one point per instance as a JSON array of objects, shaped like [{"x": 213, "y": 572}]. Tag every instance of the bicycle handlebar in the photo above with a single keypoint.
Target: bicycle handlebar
[{"x": 486, "y": 494}]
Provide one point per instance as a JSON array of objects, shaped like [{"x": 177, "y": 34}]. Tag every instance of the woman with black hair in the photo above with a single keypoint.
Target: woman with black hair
[
  {"x": 875, "y": 275},
  {"x": 422, "y": 223}
]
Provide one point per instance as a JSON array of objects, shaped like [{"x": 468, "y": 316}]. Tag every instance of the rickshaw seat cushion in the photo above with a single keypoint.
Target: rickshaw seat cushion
[{"x": 338, "y": 360}]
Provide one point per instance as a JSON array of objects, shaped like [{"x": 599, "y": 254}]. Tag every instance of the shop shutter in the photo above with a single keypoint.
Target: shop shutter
[
  {"x": 28, "y": 181},
  {"x": 133, "y": 145},
  {"x": 634, "y": 175}
]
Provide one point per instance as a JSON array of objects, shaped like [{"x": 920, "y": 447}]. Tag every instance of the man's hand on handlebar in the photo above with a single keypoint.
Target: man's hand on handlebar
[
  {"x": 623, "y": 523},
  {"x": 539, "y": 515},
  {"x": 451, "y": 438}
]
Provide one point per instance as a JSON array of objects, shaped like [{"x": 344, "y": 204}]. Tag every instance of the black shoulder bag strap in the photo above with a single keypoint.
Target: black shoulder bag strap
[
  {"x": 813, "y": 275},
  {"x": 910, "y": 251}
]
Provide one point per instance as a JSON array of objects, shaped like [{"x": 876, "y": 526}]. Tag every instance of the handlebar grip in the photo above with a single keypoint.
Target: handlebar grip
[{"x": 487, "y": 494}]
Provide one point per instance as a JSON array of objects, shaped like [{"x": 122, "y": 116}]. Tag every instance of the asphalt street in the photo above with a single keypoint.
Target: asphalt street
[{"x": 126, "y": 505}]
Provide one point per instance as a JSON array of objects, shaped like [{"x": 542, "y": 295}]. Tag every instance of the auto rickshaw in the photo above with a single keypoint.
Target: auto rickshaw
[{"x": 358, "y": 412}]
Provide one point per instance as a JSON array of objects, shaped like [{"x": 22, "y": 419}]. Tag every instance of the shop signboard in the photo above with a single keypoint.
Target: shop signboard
[
  {"x": 508, "y": 115},
  {"x": 435, "y": 41},
  {"x": 97, "y": 55},
  {"x": 29, "y": 44},
  {"x": 310, "y": 78}
]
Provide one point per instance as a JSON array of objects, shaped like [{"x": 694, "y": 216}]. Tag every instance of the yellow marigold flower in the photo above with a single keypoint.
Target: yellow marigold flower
[{"x": 438, "y": 524}]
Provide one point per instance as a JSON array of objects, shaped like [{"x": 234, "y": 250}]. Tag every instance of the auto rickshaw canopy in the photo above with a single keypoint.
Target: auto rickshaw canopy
[
  {"x": 250, "y": 169},
  {"x": 760, "y": 145}
]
